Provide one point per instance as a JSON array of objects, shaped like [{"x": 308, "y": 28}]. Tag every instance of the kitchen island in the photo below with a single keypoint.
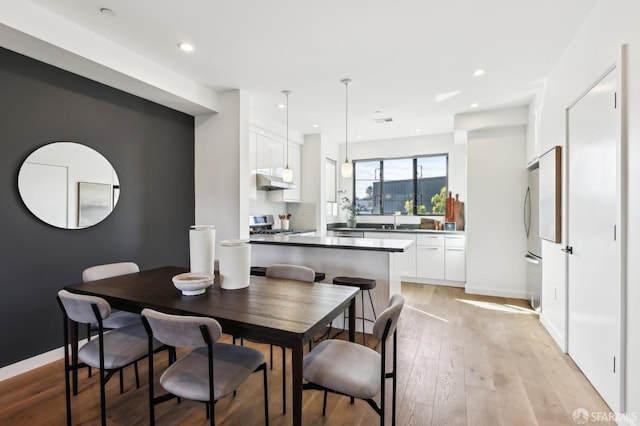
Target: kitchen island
[{"x": 378, "y": 259}]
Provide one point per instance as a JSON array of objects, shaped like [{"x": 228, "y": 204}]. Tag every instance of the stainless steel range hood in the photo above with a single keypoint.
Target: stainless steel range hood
[{"x": 271, "y": 183}]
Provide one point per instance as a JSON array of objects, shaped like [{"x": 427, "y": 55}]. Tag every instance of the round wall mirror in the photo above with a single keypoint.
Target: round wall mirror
[{"x": 68, "y": 185}]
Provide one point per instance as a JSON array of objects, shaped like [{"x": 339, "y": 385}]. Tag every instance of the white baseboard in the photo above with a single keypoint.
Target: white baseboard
[
  {"x": 432, "y": 282},
  {"x": 630, "y": 420},
  {"x": 557, "y": 336},
  {"x": 496, "y": 292},
  {"x": 32, "y": 363}
]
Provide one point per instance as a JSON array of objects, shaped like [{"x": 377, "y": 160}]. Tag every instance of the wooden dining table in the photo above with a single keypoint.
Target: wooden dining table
[{"x": 277, "y": 311}]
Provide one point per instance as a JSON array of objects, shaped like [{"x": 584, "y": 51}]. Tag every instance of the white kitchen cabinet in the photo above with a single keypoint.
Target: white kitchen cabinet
[
  {"x": 455, "y": 258},
  {"x": 430, "y": 259},
  {"x": 295, "y": 194},
  {"x": 434, "y": 258},
  {"x": 408, "y": 267},
  {"x": 408, "y": 262},
  {"x": 253, "y": 165},
  {"x": 269, "y": 155},
  {"x": 532, "y": 147}
]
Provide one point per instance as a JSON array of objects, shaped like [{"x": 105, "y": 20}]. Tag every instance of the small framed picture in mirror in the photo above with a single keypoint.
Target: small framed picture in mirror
[{"x": 94, "y": 202}]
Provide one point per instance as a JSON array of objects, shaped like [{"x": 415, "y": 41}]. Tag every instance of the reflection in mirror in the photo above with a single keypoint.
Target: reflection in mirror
[{"x": 68, "y": 185}]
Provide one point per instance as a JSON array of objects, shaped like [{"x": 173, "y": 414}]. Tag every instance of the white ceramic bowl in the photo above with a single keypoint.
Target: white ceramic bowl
[{"x": 192, "y": 284}]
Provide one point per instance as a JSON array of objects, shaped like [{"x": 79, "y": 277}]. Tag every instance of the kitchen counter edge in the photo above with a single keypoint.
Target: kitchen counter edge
[
  {"x": 400, "y": 231},
  {"x": 370, "y": 244}
]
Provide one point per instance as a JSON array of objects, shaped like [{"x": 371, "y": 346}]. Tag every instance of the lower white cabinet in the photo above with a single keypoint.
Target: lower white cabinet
[
  {"x": 455, "y": 264},
  {"x": 430, "y": 256},
  {"x": 434, "y": 256},
  {"x": 409, "y": 256}
]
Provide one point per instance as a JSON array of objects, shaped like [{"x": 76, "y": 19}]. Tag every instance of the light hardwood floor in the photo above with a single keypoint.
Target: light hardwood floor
[{"x": 463, "y": 360}]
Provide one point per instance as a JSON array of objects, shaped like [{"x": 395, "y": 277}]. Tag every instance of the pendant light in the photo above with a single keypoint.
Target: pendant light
[
  {"x": 347, "y": 168},
  {"x": 287, "y": 173}
]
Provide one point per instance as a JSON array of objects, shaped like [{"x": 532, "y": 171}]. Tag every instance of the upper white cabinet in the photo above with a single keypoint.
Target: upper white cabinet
[
  {"x": 269, "y": 155},
  {"x": 533, "y": 143},
  {"x": 253, "y": 166},
  {"x": 293, "y": 195}
]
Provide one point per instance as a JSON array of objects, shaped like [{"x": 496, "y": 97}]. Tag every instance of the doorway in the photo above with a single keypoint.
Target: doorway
[{"x": 593, "y": 237}]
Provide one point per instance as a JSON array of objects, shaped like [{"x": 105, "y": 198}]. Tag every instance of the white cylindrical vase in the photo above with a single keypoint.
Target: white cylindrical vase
[
  {"x": 235, "y": 264},
  {"x": 202, "y": 246}
]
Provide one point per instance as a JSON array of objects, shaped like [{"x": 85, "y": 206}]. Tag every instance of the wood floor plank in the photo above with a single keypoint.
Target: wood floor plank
[
  {"x": 450, "y": 402},
  {"x": 463, "y": 359},
  {"x": 482, "y": 407},
  {"x": 514, "y": 406}
]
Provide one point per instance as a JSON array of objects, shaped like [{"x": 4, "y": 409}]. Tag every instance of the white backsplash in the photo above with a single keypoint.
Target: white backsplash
[
  {"x": 261, "y": 205},
  {"x": 303, "y": 215}
]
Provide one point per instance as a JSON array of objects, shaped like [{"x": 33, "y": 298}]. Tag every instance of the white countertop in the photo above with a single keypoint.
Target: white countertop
[{"x": 373, "y": 244}]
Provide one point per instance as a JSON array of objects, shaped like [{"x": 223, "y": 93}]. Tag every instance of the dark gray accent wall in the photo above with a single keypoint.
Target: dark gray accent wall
[{"x": 152, "y": 149}]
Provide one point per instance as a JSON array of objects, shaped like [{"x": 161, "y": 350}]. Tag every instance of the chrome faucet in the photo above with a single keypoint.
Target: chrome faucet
[{"x": 395, "y": 226}]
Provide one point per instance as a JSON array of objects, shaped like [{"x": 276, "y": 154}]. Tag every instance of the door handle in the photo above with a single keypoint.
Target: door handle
[
  {"x": 532, "y": 260},
  {"x": 568, "y": 249}
]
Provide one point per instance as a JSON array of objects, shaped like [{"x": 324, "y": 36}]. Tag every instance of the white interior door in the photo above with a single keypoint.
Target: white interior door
[{"x": 594, "y": 281}]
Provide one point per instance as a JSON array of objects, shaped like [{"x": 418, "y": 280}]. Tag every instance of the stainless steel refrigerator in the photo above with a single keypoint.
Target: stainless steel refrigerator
[{"x": 533, "y": 257}]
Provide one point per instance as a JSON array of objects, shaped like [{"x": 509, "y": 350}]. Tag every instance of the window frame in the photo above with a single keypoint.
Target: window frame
[{"x": 414, "y": 181}]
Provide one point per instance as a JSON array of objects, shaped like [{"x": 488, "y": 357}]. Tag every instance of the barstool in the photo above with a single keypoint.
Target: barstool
[{"x": 363, "y": 284}]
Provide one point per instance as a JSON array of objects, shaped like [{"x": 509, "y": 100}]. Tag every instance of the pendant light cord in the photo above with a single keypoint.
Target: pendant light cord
[
  {"x": 346, "y": 121},
  {"x": 287, "y": 95}
]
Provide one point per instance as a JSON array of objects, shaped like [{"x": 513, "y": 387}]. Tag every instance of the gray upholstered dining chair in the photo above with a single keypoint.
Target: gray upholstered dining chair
[
  {"x": 291, "y": 272},
  {"x": 118, "y": 318},
  {"x": 357, "y": 371},
  {"x": 208, "y": 372},
  {"x": 288, "y": 272},
  {"x": 110, "y": 352}
]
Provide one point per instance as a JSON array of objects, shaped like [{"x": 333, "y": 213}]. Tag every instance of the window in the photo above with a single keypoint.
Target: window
[{"x": 413, "y": 185}]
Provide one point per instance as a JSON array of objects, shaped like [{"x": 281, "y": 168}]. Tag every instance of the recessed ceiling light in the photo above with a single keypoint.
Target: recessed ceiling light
[
  {"x": 359, "y": 136},
  {"x": 187, "y": 47},
  {"x": 478, "y": 72},
  {"x": 106, "y": 11},
  {"x": 314, "y": 126},
  {"x": 418, "y": 130},
  {"x": 282, "y": 106},
  {"x": 474, "y": 105}
]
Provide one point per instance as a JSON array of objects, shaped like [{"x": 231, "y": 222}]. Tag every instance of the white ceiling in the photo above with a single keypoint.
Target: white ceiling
[{"x": 400, "y": 55}]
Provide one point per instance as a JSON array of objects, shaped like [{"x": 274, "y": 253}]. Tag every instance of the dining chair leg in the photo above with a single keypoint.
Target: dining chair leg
[
  {"x": 121, "y": 382},
  {"x": 270, "y": 357},
  {"x": 263, "y": 367},
  {"x": 364, "y": 341},
  {"x": 103, "y": 398},
  {"x": 284, "y": 381},
  {"x": 324, "y": 403},
  {"x": 135, "y": 367},
  {"x": 67, "y": 381}
]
